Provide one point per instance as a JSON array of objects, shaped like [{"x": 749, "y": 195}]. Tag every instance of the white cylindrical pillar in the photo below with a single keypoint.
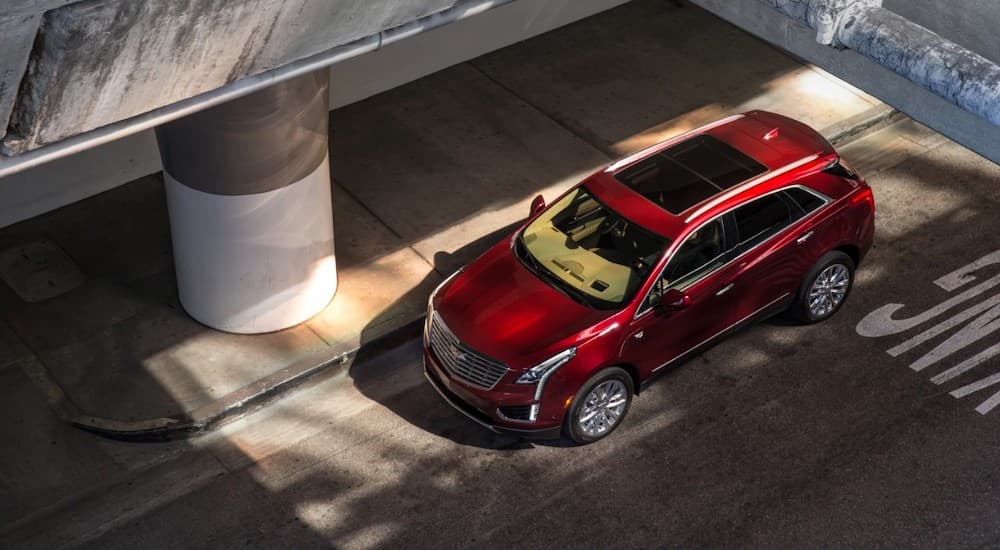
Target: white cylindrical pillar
[{"x": 248, "y": 195}]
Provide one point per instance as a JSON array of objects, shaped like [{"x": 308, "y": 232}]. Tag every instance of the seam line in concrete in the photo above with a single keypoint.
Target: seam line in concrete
[
  {"x": 10, "y": 330},
  {"x": 590, "y": 140},
  {"x": 41, "y": 376},
  {"x": 317, "y": 334},
  {"x": 385, "y": 224}
]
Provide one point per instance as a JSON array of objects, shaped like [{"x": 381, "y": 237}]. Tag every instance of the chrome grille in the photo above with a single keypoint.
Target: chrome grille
[{"x": 460, "y": 361}]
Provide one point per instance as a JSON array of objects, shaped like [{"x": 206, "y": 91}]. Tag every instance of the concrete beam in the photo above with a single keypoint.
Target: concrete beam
[
  {"x": 970, "y": 23},
  {"x": 17, "y": 33},
  {"x": 96, "y": 62},
  {"x": 30, "y": 7},
  {"x": 940, "y": 114}
]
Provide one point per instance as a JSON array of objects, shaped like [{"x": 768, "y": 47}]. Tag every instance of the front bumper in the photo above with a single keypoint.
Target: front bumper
[{"x": 449, "y": 391}]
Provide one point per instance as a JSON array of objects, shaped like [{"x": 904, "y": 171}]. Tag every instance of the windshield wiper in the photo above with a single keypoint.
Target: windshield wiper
[
  {"x": 532, "y": 263},
  {"x": 566, "y": 288},
  {"x": 529, "y": 260}
]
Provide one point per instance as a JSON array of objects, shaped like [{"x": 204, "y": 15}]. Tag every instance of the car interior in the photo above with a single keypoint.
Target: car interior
[{"x": 593, "y": 248}]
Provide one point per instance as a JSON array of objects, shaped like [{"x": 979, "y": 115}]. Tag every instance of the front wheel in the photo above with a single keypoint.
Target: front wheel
[
  {"x": 825, "y": 288},
  {"x": 600, "y": 406}
]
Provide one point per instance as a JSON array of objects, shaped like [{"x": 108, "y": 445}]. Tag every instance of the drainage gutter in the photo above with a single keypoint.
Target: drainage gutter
[{"x": 461, "y": 10}]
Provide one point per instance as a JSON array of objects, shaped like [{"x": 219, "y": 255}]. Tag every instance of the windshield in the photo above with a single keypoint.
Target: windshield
[{"x": 588, "y": 251}]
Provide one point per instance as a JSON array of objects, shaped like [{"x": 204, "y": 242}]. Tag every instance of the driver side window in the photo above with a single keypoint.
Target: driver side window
[{"x": 702, "y": 252}]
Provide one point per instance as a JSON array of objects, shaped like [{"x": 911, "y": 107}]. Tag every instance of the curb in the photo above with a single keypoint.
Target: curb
[
  {"x": 857, "y": 127},
  {"x": 245, "y": 400}
]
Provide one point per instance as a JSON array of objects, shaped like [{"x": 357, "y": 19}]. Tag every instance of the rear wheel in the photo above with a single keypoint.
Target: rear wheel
[
  {"x": 825, "y": 288},
  {"x": 599, "y": 406}
]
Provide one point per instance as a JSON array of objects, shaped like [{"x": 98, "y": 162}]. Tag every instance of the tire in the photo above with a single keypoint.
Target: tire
[
  {"x": 824, "y": 289},
  {"x": 613, "y": 378}
]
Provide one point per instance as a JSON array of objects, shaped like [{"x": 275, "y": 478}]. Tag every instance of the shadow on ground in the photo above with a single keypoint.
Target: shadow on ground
[{"x": 370, "y": 376}]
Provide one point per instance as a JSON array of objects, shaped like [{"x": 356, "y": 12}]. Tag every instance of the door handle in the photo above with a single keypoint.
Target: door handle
[
  {"x": 804, "y": 238},
  {"x": 724, "y": 289}
]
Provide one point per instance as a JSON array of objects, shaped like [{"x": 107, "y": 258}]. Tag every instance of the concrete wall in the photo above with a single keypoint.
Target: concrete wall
[
  {"x": 74, "y": 178},
  {"x": 970, "y": 130}
]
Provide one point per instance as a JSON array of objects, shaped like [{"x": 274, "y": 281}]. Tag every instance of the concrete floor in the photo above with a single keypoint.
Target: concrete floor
[{"x": 781, "y": 436}]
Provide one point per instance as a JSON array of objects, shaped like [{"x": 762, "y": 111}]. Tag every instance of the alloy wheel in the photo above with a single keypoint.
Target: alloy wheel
[
  {"x": 603, "y": 408},
  {"x": 828, "y": 290}
]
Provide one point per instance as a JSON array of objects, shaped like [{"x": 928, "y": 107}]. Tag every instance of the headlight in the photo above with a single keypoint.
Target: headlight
[{"x": 541, "y": 371}]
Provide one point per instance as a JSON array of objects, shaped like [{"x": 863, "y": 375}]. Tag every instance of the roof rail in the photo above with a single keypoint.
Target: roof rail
[
  {"x": 748, "y": 184},
  {"x": 614, "y": 166}
]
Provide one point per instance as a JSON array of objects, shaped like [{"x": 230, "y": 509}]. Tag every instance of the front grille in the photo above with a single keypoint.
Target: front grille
[{"x": 460, "y": 361}]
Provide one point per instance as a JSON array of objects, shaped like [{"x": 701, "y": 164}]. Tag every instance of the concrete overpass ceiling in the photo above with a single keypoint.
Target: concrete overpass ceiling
[{"x": 95, "y": 62}]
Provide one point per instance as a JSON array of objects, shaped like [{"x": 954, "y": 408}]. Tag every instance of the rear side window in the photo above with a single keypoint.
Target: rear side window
[
  {"x": 806, "y": 201},
  {"x": 760, "y": 219}
]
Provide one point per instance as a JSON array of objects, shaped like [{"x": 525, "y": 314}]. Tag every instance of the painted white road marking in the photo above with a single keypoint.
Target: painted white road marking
[
  {"x": 880, "y": 322},
  {"x": 963, "y": 276},
  {"x": 989, "y": 404},
  {"x": 976, "y": 386},
  {"x": 944, "y": 326},
  {"x": 983, "y": 319},
  {"x": 967, "y": 365},
  {"x": 979, "y": 328}
]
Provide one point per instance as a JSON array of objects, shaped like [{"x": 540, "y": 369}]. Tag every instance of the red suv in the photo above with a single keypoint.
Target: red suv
[{"x": 642, "y": 264}]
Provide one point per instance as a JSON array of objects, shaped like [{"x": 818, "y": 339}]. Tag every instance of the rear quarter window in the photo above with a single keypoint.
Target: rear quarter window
[{"x": 805, "y": 201}]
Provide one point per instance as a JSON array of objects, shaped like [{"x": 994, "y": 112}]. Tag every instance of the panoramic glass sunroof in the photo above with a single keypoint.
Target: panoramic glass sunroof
[{"x": 690, "y": 172}]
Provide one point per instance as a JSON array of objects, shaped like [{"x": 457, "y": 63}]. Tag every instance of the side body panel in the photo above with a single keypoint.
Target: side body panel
[{"x": 655, "y": 338}]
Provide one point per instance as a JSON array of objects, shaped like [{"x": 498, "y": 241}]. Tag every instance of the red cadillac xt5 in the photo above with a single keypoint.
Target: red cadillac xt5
[{"x": 641, "y": 264}]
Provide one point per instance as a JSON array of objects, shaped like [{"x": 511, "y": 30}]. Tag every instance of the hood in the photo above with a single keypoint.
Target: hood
[{"x": 500, "y": 308}]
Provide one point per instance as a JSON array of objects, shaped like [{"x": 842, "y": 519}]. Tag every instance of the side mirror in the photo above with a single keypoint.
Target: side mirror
[
  {"x": 674, "y": 300},
  {"x": 537, "y": 205}
]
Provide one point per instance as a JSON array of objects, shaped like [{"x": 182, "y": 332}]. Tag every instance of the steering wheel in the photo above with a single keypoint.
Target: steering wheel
[{"x": 606, "y": 224}]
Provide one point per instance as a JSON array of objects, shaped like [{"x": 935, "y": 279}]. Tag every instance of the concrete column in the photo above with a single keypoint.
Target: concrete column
[{"x": 248, "y": 194}]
